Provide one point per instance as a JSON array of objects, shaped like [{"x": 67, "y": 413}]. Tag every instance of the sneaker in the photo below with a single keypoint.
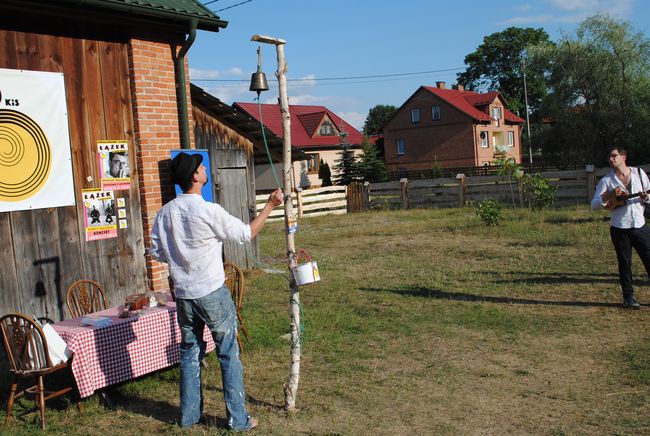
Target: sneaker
[{"x": 631, "y": 303}]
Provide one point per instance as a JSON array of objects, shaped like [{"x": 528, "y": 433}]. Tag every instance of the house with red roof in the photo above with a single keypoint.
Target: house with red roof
[
  {"x": 315, "y": 130},
  {"x": 451, "y": 128}
]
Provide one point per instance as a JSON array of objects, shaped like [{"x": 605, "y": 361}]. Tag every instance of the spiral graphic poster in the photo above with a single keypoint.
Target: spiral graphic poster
[{"x": 35, "y": 159}]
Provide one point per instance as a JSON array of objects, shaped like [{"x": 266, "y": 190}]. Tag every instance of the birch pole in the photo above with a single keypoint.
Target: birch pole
[{"x": 291, "y": 387}]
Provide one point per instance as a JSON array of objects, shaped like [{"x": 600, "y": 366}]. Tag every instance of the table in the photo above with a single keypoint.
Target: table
[{"x": 125, "y": 349}]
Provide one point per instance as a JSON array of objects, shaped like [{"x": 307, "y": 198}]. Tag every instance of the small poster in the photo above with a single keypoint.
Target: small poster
[
  {"x": 114, "y": 165},
  {"x": 99, "y": 214}
]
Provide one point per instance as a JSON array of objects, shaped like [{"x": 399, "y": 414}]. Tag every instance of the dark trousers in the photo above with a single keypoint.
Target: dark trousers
[{"x": 624, "y": 240}]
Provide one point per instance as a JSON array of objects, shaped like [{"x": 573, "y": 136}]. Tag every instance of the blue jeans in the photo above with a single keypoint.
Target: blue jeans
[{"x": 217, "y": 311}]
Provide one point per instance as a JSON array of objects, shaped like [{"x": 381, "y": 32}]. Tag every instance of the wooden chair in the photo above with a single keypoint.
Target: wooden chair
[
  {"x": 235, "y": 282},
  {"x": 28, "y": 356},
  {"x": 84, "y": 297}
]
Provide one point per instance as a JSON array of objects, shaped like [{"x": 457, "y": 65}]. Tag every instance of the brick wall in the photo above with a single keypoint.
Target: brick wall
[
  {"x": 156, "y": 120},
  {"x": 453, "y": 140}
]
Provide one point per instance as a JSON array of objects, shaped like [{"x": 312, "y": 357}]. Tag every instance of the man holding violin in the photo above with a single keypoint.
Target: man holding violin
[{"x": 623, "y": 192}]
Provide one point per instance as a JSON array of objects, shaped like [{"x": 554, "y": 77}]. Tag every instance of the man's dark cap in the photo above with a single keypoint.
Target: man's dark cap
[{"x": 184, "y": 166}]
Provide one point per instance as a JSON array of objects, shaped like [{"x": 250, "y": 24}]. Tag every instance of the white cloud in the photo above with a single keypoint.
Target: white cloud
[
  {"x": 572, "y": 5},
  {"x": 580, "y": 9},
  {"x": 196, "y": 74},
  {"x": 355, "y": 118},
  {"x": 524, "y": 8}
]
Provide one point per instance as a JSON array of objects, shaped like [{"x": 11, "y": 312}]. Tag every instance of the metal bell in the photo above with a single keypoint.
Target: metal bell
[
  {"x": 258, "y": 79},
  {"x": 258, "y": 82}
]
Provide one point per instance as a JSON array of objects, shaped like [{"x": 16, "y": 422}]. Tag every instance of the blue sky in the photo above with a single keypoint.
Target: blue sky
[{"x": 356, "y": 38}]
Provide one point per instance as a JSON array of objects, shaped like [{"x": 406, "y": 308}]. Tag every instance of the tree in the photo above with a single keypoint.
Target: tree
[
  {"x": 600, "y": 96},
  {"x": 345, "y": 165},
  {"x": 496, "y": 65},
  {"x": 324, "y": 173},
  {"x": 370, "y": 167},
  {"x": 377, "y": 117}
]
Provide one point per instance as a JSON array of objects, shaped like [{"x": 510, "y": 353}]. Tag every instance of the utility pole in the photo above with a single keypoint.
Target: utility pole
[
  {"x": 530, "y": 147},
  {"x": 291, "y": 387}
]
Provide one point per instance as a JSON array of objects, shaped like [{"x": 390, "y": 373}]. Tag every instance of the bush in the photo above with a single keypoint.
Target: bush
[
  {"x": 489, "y": 210},
  {"x": 538, "y": 191}
]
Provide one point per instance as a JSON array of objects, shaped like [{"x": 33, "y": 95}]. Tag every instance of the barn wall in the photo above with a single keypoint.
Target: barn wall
[
  {"x": 234, "y": 177},
  {"x": 44, "y": 251}
]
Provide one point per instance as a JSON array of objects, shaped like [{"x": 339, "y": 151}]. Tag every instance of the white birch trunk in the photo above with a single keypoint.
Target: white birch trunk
[{"x": 291, "y": 387}]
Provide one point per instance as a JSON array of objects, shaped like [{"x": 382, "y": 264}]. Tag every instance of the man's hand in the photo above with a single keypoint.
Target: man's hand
[{"x": 275, "y": 198}]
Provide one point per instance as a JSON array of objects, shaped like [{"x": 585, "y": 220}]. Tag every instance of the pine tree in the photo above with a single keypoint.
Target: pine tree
[
  {"x": 345, "y": 165},
  {"x": 370, "y": 166},
  {"x": 324, "y": 173}
]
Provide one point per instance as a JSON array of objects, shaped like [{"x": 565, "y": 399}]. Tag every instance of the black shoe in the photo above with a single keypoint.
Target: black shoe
[{"x": 631, "y": 303}]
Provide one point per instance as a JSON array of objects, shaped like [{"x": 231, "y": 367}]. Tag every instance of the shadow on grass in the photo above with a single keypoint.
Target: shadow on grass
[
  {"x": 560, "y": 278},
  {"x": 455, "y": 296}
]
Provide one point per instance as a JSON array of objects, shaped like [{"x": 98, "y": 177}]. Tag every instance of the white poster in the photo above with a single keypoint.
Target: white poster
[{"x": 35, "y": 161}]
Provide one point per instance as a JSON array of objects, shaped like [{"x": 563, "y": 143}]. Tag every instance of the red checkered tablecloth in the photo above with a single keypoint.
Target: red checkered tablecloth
[{"x": 125, "y": 349}]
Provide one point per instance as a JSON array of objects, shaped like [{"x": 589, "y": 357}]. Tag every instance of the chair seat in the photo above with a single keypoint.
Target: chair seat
[{"x": 27, "y": 351}]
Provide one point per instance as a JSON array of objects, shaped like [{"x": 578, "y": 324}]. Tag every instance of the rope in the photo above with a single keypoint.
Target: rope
[
  {"x": 301, "y": 328},
  {"x": 266, "y": 145}
]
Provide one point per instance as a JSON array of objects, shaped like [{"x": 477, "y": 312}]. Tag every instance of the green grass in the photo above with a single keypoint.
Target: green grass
[{"x": 425, "y": 322}]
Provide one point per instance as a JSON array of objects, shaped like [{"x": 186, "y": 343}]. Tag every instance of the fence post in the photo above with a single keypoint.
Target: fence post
[
  {"x": 366, "y": 195},
  {"x": 299, "y": 201},
  {"x": 591, "y": 181},
  {"x": 461, "y": 189},
  {"x": 405, "y": 192}
]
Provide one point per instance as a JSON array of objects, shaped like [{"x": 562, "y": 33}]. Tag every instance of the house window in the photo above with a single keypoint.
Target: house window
[
  {"x": 313, "y": 163},
  {"x": 415, "y": 115},
  {"x": 511, "y": 139},
  {"x": 326, "y": 129},
  {"x": 496, "y": 114},
  {"x": 400, "y": 146},
  {"x": 484, "y": 140},
  {"x": 435, "y": 113}
]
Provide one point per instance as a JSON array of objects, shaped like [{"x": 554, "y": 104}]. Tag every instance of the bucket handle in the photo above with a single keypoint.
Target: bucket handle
[{"x": 304, "y": 255}]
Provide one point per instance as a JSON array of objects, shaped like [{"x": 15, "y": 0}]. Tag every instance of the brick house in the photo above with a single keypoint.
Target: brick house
[
  {"x": 126, "y": 78},
  {"x": 453, "y": 127},
  {"x": 315, "y": 130}
]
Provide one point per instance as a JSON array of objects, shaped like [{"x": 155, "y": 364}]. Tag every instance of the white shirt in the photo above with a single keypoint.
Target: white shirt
[
  {"x": 630, "y": 215},
  {"x": 187, "y": 234}
]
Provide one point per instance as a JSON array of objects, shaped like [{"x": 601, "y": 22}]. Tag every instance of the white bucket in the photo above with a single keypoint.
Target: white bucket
[{"x": 306, "y": 273}]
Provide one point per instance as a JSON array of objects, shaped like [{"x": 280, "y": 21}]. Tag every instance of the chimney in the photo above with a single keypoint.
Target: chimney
[{"x": 440, "y": 85}]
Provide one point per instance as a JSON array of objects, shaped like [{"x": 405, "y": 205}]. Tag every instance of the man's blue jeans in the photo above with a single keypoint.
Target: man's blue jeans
[{"x": 217, "y": 311}]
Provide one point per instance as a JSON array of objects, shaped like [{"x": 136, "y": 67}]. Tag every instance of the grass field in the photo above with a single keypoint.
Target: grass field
[{"x": 425, "y": 322}]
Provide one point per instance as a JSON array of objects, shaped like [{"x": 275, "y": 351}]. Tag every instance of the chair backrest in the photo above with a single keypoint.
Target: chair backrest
[
  {"x": 24, "y": 343},
  {"x": 84, "y": 297},
  {"x": 235, "y": 283}
]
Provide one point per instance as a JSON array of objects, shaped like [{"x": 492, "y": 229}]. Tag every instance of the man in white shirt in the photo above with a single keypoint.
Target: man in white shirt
[
  {"x": 627, "y": 226},
  {"x": 188, "y": 235}
]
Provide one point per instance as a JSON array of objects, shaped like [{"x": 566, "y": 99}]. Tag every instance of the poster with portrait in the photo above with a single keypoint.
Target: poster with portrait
[
  {"x": 114, "y": 166},
  {"x": 35, "y": 158},
  {"x": 99, "y": 214}
]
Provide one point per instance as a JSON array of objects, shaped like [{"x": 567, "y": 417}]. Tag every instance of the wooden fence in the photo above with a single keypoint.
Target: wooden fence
[
  {"x": 572, "y": 187},
  {"x": 311, "y": 202}
]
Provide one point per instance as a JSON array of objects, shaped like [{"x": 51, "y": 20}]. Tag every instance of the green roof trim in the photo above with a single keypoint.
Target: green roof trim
[{"x": 154, "y": 11}]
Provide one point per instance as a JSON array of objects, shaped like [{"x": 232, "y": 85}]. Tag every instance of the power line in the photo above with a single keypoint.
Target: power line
[
  {"x": 379, "y": 76},
  {"x": 211, "y": 1},
  {"x": 235, "y": 5}
]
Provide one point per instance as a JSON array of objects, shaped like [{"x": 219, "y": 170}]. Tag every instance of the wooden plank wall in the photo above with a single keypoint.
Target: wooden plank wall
[
  {"x": 43, "y": 251},
  {"x": 233, "y": 173}
]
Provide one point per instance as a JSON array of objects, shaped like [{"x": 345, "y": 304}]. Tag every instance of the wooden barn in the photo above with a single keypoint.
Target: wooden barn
[{"x": 123, "y": 72}]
